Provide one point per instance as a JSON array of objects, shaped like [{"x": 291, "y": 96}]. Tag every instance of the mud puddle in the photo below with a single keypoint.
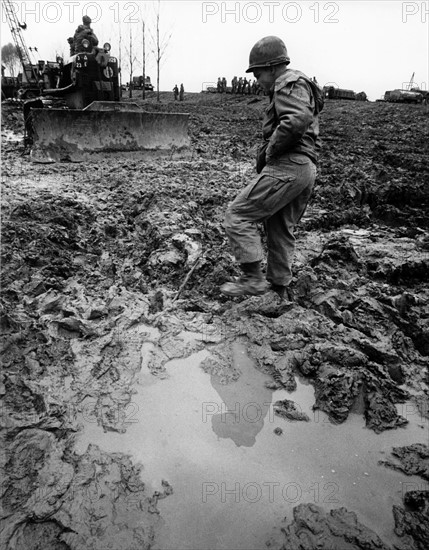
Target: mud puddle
[{"x": 233, "y": 477}]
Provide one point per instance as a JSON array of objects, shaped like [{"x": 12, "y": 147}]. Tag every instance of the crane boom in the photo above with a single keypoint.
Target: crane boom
[
  {"x": 30, "y": 76},
  {"x": 16, "y": 32},
  {"x": 411, "y": 82}
]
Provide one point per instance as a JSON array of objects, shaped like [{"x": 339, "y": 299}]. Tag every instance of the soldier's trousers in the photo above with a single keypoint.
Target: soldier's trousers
[{"x": 277, "y": 197}]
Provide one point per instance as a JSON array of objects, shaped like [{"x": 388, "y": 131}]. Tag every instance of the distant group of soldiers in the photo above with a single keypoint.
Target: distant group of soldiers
[
  {"x": 239, "y": 86},
  {"x": 179, "y": 94}
]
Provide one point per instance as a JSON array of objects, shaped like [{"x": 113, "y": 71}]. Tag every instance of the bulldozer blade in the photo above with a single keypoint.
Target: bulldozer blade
[{"x": 82, "y": 135}]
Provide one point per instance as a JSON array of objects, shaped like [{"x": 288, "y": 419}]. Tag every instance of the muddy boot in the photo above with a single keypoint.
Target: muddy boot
[
  {"x": 281, "y": 291},
  {"x": 251, "y": 283}
]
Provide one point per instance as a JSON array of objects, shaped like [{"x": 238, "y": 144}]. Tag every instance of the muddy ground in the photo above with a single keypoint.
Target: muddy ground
[{"x": 95, "y": 257}]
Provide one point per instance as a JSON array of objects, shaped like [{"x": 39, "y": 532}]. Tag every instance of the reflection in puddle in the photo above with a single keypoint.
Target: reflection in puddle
[{"x": 245, "y": 402}]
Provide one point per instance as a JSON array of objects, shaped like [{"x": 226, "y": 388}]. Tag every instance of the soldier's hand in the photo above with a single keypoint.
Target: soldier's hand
[{"x": 261, "y": 157}]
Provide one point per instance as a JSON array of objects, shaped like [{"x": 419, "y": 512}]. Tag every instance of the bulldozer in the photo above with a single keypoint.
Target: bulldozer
[
  {"x": 403, "y": 96},
  {"x": 79, "y": 115},
  {"x": 331, "y": 92}
]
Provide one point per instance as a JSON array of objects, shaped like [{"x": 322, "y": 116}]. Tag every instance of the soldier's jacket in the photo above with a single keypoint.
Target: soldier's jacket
[
  {"x": 291, "y": 122},
  {"x": 82, "y": 32}
]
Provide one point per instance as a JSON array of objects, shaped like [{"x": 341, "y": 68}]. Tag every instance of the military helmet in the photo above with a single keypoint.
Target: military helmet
[
  {"x": 86, "y": 20},
  {"x": 267, "y": 52}
]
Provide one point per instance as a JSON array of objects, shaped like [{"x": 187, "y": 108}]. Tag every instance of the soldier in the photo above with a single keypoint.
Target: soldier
[
  {"x": 286, "y": 168},
  {"x": 219, "y": 85},
  {"x": 239, "y": 85},
  {"x": 254, "y": 87},
  {"x": 176, "y": 92},
  {"x": 234, "y": 85},
  {"x": 243, "y": 89},
  {"x": 182, "y": 92},
  {"x": 83, "y": 32},
  {"x": 224, "y": 85},
  {"x": 70, "y": 40}
]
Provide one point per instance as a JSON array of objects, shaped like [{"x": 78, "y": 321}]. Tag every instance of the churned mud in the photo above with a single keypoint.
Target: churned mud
[{"x": 142, "y": 412}]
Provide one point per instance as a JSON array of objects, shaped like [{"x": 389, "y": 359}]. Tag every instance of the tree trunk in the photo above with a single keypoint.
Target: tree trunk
[
  {"x": 120, "y": 58},
  {"x": 131, "y": 66},
  {"x": 158, "y": 57},
  {"x": 144, "y": 61}
]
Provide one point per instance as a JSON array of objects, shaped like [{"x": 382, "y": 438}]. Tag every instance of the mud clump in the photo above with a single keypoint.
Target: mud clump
[
  {"x": 63, "y": 500},
  {"x": 338, "y": 529},
  {"x": 413, "y": 460},
  {"x": 412, "y": 522},
  {"x": 289, "y": 410},
  {"x": 336, "y": 392},
  {"x": 381, "y": 414}
]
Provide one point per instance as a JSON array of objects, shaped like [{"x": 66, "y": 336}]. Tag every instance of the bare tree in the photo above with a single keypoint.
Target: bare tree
[
  {"x": 61, "y": 53},
  {"x": 160, "y": 46},
  {"x": 10, "y": 58},
  {"x": 60, "y": 50},
  {"x": 144, "y": 57},
  {"x": 120, "y": 57},
  {"x": 132, "y": 60}
]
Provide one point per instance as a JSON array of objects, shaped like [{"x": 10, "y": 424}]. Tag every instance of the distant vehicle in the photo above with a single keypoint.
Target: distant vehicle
[
  {"x": 403, "y": 96},
  {"x": 361, "y": 96},
  {"x": 331, "y": 92},
  {"x": 138, "y": 83},
  {"x": 87, "y": 96},
  {"x": 214, "y": 90},
  {"x": 9, "y": 87},
  {"x": 423, "y": 93}
]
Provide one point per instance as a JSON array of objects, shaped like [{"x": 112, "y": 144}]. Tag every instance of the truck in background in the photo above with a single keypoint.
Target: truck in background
[{"x": 138, "y": 83}]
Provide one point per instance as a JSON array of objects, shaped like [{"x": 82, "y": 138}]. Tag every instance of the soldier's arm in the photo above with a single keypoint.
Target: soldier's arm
[
  {"x": 94, "y": 39},
  {"x": 294, "y": 108}
]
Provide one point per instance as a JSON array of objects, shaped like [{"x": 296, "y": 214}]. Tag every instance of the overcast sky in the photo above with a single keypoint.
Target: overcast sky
[{"x": 369, "y": 46}]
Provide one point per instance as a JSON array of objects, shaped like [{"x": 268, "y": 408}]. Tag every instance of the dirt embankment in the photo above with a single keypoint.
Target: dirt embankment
[{"x": 93, "y": 253}]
